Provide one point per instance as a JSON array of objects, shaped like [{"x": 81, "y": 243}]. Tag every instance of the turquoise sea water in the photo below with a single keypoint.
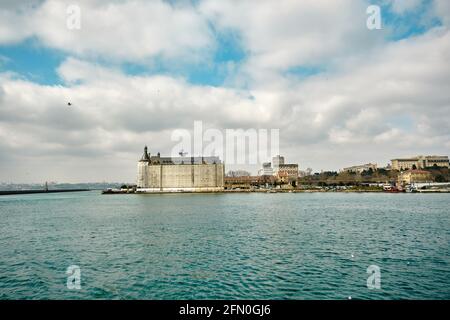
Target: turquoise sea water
[{"x": 225, "y": 246}]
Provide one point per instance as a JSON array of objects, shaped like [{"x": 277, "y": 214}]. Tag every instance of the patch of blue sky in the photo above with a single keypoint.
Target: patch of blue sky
[
  {"x": 229, "y": 53},
  {"x": 404, "y": 122},
  {"x": 213, "y": 70},
  {"x": 305, "y": 71},
  {"x": 39, "y": 64},
  {"x": 413, "y": 22},
  {"x": 32, "y": 61}
]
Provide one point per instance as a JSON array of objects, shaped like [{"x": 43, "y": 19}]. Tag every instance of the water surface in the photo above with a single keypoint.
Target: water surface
[{"x": 225, "y": 246}]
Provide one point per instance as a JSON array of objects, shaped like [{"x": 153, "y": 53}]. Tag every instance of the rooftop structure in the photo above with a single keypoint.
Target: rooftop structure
[{"x": 178, "y": 160}]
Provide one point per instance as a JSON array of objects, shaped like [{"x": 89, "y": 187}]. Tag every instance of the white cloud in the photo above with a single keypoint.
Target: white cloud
[
  {"x": 127, "y": 31},
  {"x": 373, "y": 101},
  {"x": 114, "y": 115},
  {"x": 284, "y": 34},
  {"x": 442, "y": 10},
  {"x": 403, "y": 6}
]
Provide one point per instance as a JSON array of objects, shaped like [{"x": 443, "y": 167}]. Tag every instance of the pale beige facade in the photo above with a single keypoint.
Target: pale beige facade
[
  {"x": 291, "y": 170},
  {"x": 360, "y": 168},
  {"x": 156, "y": 174},
  {"x": 412, "y": 176},
  {"x": 405, "y": 164},
  {"x": 284, "y": 170},
  {"x": 420, "y": 162},
  {"x": 440, "y": 161}
]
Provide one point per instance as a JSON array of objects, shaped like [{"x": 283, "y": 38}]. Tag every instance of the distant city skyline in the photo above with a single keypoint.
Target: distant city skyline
[{"x": 79, "y": 105}]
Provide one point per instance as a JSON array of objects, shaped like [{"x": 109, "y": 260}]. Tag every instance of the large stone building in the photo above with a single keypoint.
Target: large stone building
[
  {"x": 179, "y": 174},
  {"x": 420, "y": 162},
  {"x": 360, "y": 168},
  {"x": 289, "y": 170}
]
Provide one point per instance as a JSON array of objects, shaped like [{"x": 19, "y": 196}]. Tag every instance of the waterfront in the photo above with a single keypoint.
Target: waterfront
[{"x": 225, "y": 246}]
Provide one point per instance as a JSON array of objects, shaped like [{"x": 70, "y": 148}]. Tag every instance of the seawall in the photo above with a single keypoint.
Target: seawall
[{"x": 12, "y": 192}]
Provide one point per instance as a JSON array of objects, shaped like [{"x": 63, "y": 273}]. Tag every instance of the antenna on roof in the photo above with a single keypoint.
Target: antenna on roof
[{"x": 182, "y": 153}]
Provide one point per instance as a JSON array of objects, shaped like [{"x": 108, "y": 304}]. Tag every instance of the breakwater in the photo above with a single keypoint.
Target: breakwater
[{"x": 12, "y": 192}]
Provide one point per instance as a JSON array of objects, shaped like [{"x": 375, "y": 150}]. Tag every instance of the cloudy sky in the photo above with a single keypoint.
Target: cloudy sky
[{"x": 340, "y": 94}]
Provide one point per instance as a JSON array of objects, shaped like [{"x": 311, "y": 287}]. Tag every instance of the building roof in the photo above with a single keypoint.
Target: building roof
[
  {"x": 185, "y": 160},
  {"x": 406, "y": 159},
  {"x": 179, "y": 160},
  {"x": 289, "y": 165},
  {"x": 416, "y": 158}
]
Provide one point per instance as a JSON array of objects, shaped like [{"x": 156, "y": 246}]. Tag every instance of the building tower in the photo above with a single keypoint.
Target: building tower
[
  {"x": 142, "y": 180},
  {"x": 276, "y": 162}
]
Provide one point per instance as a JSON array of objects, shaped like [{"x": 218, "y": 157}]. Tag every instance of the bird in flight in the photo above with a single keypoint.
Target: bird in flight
[{"x": 69, "y": 103}]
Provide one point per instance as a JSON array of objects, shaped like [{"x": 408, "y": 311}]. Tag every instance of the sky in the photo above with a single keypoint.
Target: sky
[{"x": 135, "y": 71}]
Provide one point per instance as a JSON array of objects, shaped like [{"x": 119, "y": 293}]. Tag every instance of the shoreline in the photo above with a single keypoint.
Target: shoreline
[{"x": 115, "y": 192}]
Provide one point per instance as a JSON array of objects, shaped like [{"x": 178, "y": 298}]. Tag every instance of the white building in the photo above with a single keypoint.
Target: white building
[
  {"x": 266, "y": 169},
  {"x": 361, "y": 168},
  {"x": 279, "y": 169},
  {"x": 420, "y": 162},
  {"x": 276, "y": 162},
  {"x": 179, "y": 174}
]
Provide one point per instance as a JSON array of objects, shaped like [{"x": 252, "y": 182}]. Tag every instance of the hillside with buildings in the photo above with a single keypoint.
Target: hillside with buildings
[
  {"x": 207, "y": 174},
  {"x": 399, "y": 173}
]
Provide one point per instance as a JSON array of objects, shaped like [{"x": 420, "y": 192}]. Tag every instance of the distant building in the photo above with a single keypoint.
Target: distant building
[
  {"x": 285, "y": 172},
  {"x": 266, "y": 169},
  {"x": 361, "y": 168},
  {"x": 179, "y": 174},
  {"x": 413, "y": 176},
  {"x": 249, "y": 182},
  {"x": 431, "y": 161},
  {"x": 305, "y": 173},
  {"x": 405, "y": 163},
  {"x": 420, "y": 162},
  {"x": 302, "y": 174},
  {"x": 276, "y": 162},
  {"x": 238, "y": 173},
  {"x": 288, "y": 170}
]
